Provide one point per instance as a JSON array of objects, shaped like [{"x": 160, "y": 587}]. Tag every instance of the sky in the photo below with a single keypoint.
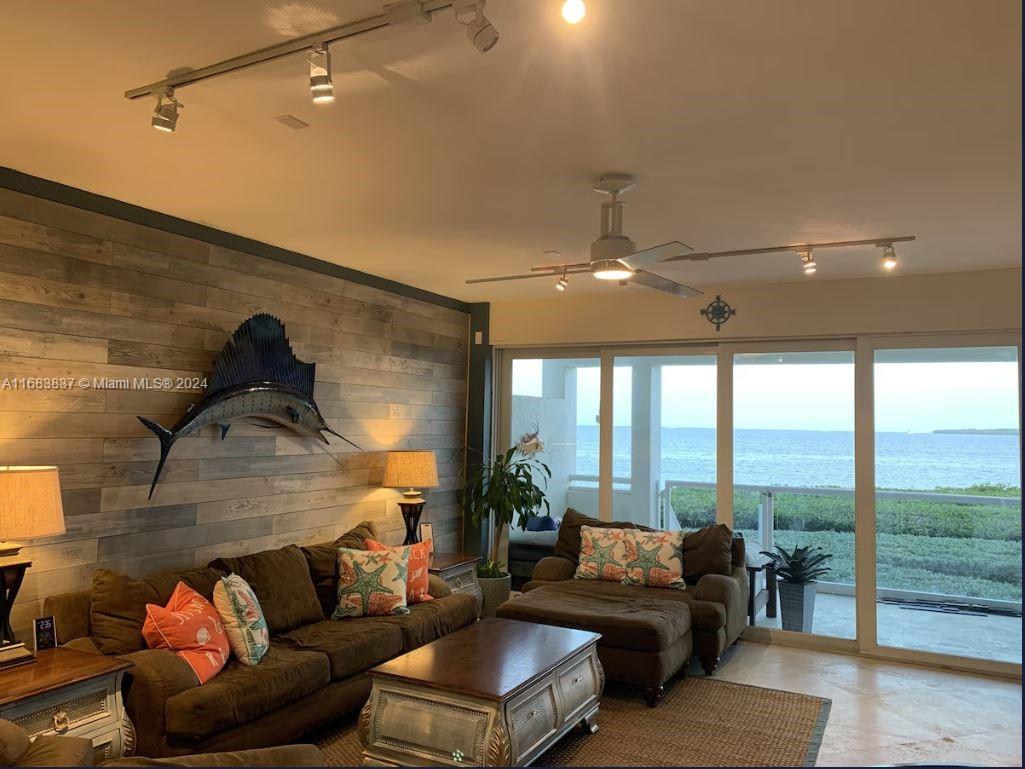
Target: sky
[{"x": 910, "y": 397}]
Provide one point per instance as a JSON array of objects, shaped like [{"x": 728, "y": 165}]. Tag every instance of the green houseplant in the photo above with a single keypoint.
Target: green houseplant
[
  {"x": 797, "y": 572},
  {"x": 501, "y": 491}
]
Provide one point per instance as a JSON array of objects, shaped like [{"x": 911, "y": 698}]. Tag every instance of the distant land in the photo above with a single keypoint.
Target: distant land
[{"x": 995, "y": 431}]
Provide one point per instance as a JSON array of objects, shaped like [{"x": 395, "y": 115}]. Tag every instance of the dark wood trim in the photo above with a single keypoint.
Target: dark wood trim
[
  {"x": 479, "y": 414},
  {"x": 90, "y": 201}
]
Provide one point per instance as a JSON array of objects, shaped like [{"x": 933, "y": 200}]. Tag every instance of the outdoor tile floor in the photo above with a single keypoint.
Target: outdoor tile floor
[{"x": 990, "y": 637}]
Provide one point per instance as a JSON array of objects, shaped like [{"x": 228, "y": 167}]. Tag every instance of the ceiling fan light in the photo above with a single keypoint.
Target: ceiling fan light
[{"x": 610, "y": 269}]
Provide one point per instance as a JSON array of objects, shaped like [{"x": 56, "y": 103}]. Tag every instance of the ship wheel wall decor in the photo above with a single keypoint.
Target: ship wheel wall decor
[{"x": 718, "y": 312}]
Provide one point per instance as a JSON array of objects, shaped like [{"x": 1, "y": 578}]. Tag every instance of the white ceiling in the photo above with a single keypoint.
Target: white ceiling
[{"x": 747, "y": 122}]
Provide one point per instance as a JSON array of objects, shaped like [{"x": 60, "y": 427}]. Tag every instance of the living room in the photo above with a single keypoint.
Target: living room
[{"x": 508, "y": 382}]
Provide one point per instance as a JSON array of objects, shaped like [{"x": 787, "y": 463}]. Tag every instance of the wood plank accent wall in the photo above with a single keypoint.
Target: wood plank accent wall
[{"x": 84, "y": 295}]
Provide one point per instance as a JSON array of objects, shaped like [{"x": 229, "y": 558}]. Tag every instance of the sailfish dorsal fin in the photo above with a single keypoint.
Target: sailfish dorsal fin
[{"x": 259, "y": 351}]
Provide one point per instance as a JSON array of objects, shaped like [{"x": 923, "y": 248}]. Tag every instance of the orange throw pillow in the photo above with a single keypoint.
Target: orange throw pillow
[
  {"x": 191, "y": 627},
  {"x": 417, "y": 578}
]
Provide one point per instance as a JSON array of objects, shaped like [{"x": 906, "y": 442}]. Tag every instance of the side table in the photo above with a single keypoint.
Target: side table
[
  {"x": 74, "y": 693},
  {"x": 770, "y": 585},
  {"x": 459, "y": 572}
]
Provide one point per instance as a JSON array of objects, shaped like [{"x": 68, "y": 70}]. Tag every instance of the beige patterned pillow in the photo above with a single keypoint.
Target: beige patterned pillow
[
  {"x": 371, "y": 582},
  {"x": 603, "y": 554},
  {"x": 242, "y": 618},
  {"x": 654, "y": 559}
]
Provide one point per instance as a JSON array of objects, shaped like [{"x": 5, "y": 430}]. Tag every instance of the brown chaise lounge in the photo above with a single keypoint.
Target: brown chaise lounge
[
  {"x": 313, "y": 673},
  {"x": 648, "y": 634}
]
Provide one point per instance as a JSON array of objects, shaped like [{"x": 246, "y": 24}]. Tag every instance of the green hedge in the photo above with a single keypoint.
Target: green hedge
[
  {"x": 804, "y": 512},
  {"x": 936, "y": 547}
]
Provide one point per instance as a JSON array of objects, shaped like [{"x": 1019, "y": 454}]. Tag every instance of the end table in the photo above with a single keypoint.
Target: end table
[
  {"x": 770, "y": 584},
  {"x": 74, "y": 693},
  {"x": 459, "y": 572}
]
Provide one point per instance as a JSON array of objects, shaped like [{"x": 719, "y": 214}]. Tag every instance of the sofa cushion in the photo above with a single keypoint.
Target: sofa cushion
[
  {"x": 322, "y": 560},
  {"x": 282, "y": 583},
  {"x": 58, "y": 750},
  {"x": 626, "y": 616},
  {"x": 430, "y": 621},
  {"x": 351, "y": 645},
  {"x": 117, "y": 603},
  {"x": 568, "y": 543},
  {"x": 241, "y": 693},
  {"x": 707, "y": 551},
  {"x": 14, "y": 742}
]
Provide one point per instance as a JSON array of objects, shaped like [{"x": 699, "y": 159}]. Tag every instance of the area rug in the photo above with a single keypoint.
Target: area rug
[{"x": 701, "y": 722}]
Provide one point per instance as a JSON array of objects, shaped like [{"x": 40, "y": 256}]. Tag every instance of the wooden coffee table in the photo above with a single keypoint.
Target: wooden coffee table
[{"x": 497, "y": 693}]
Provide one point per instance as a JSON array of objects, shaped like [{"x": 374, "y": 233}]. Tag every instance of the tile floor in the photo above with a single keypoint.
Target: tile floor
[
  {"x": 889, "y": 713},
  {"x": 990, "y": 636}
]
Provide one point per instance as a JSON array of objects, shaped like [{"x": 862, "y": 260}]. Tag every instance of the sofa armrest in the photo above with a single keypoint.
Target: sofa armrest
[
  {"x": 155, "y": 676},
  {"x": 437, "y": 587},
  {"x": 84, "y": 643},
  {"x": 284, "y": 755},
  {"x": 57, "y": 750},
  {"x": 553, "y": 568},
  {"x": 732, "y": 593}
]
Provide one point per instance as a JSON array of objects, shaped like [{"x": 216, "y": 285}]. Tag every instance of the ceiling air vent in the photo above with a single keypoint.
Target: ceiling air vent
[{"x": 291, "y": 121}]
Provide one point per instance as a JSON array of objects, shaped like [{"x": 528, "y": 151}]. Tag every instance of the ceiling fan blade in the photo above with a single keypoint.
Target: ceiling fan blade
[
  {"x": 651, "y": 280},
  {"x": 655, "y": 254},
  {"x": 555, "y": 274}
]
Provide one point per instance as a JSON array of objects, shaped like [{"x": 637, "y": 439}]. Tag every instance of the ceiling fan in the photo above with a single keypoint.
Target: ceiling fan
[{"x": 614, "y": 257}]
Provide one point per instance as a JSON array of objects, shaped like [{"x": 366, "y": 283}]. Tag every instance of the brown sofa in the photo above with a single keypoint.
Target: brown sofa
[
  {"x": 313, "y": 673},
  {"x": 60, "y": 750},
  {"x": 648, "y": 634}
]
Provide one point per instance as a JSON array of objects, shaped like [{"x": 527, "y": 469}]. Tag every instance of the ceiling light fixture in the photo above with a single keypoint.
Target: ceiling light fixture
[
  {"x": 479, "y": 29},
  {"x": 322, "y": 90},
  {"x": 563, "y": 283},
  {"x": 610, "y": 269},
  {"x": 573, "y": 11},
  {"x": 889, "y": 257},
  {"x": 165, "y": 114},
  {"x": 807, "y": 262}
]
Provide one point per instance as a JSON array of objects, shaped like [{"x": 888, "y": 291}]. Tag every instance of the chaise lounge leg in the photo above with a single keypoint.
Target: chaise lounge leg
[
  {"x": 653, "y": 695},
  {"x": 709, "y": 664}
]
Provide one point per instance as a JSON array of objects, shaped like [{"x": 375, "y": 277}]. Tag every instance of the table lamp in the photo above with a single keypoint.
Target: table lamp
[
  {"x": 411, "y": 470},
  {"x": 30, "y": 506}
]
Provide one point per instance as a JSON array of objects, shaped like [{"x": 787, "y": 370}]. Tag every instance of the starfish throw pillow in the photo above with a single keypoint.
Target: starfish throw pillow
[
  {"x": 371, "y": 583},
  {"x": 654, "y": 559},
  {"x": 417, "y": 577},
  {"x": 603, "y": 554}
]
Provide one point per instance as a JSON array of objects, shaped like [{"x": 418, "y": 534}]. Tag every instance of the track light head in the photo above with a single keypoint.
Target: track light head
[
  {"x": 573, "y": 11},
  {"x": 807, "y": 262},
  {"x": 165, "y": 114},
  {"x": 889, "y": 257},
  {"x": 479, "y": 29},
  {"x": 321, "y": 87},
  {"x": 563, "y": 284}
]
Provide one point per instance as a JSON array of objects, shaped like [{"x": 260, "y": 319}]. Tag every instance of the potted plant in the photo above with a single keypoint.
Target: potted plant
[
  {"x": 797, "y": 572},
  {"x": 502, "y": 490}
]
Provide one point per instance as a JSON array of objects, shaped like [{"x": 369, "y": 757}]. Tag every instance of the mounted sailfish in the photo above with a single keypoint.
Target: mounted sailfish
[{"x": 256, "y": 377}]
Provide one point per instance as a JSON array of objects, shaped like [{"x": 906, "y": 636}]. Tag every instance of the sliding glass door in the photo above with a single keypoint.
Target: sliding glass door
[
  {"x": 558, "y": 398},
  {"x": 899, "y": 457},
  {"x": 664, "y": 440},
  {"x": 948, "y": 501},
  {"x": 793, "y": 476}
]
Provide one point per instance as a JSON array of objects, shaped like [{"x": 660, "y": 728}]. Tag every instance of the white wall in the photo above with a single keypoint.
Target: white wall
[{"x": 988, "y": 300}]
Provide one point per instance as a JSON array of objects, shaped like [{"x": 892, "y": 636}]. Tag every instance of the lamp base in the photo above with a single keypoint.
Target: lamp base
[
  {"x": 411, "y": 512},
  {"x": 15, "y": 654}
]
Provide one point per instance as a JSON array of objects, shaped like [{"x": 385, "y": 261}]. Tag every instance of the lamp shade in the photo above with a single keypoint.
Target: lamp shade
[
  {"x": 411, "y": 469},
  {"x": 30, "y": 502}
]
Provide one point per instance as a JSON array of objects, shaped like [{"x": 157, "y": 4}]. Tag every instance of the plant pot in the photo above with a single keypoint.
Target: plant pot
[
  {"x": 797, "y": 602},
  {"x": 495, "y": 591}
]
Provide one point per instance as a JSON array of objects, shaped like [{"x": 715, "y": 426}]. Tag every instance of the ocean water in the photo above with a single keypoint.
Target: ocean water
[{"x": 921, "y": 461}]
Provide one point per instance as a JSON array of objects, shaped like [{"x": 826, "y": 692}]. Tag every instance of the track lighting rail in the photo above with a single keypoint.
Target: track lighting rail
[
  {"x": 397, "y": 13},
  {"x": 798, "y": 247}
]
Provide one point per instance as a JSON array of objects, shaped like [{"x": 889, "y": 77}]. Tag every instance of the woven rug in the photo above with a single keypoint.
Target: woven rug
[{"x": 701, "y": 722}]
